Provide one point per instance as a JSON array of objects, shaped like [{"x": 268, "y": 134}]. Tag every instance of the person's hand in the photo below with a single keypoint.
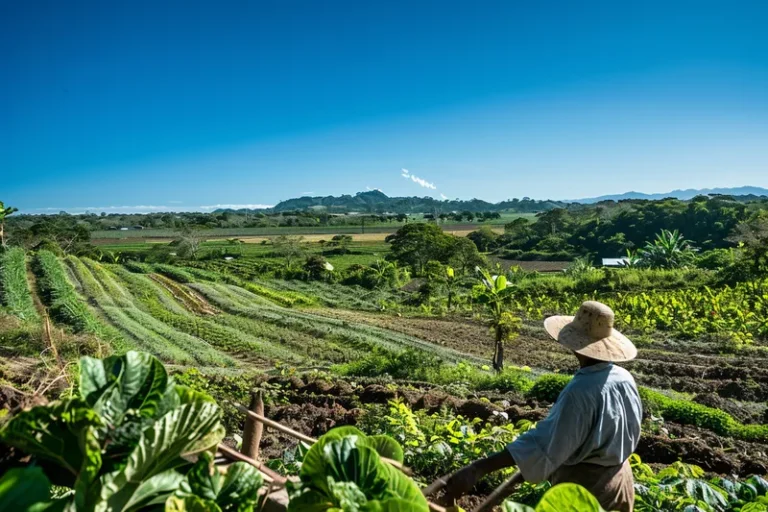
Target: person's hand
[{"x": 461, "y": 482}]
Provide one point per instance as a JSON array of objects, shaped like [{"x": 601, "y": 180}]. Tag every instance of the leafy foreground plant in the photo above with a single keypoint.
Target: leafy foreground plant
[
  {"x": 124, "y": 443},
  {"x": 682, "y": 486},
  {"x": 344, "y": 471},
  {"x": 559, "y": 498}
]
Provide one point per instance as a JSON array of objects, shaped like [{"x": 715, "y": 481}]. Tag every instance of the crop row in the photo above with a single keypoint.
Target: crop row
[
  {"x": 14, "y": 288},
  {"x": 359, "y": 336},
  {"x": 223, "y": 274},
  {"x": 335, "y": 295},
  {"x": 67, "y": 307},
  {"x": 155, "y": 300},
  {"x": 119, "y": 306}
]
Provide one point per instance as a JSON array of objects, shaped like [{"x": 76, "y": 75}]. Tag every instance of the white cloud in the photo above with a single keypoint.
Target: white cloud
[
  {"x": 420, "y": 181},
  {"x": 444, "y": 197},
  {"x": 307, "y": 193},
  {"x": 143, "y": 208},
  {"x": 369, "y": 189}
]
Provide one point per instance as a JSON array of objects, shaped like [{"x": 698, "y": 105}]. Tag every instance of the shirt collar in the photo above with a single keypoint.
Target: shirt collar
[{"x": 599, "y": 367}]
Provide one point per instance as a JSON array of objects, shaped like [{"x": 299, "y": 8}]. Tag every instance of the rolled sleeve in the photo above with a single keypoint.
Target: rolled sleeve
[{"x": 539, "y": 452}]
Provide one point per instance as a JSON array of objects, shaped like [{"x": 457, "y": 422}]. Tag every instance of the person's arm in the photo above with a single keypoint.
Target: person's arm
[
  {"x": 539, "y": 452},
  {"x": 462, "y": 481},
  {"x": 536, "y": 453}
]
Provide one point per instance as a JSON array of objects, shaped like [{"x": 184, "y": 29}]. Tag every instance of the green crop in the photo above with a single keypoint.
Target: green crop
[{"x": 14, "y": 289}]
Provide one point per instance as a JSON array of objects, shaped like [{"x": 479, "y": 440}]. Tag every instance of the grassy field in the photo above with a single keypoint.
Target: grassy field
[{"x": 329, "y": 231}]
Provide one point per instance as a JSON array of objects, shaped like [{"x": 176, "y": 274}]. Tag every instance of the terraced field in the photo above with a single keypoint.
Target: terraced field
[{"x": 192, "y": 316}]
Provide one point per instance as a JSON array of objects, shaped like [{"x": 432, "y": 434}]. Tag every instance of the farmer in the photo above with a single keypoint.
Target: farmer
[{"x": 593, "y": 427}]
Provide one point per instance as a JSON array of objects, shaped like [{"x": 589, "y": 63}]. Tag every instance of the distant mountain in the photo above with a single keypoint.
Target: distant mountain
[
  {"x": 375, "y": 201},
  {"x": 678, "y": 194}
]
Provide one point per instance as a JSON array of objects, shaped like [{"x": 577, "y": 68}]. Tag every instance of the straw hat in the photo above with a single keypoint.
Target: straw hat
[{"x": 591, "y": 333}]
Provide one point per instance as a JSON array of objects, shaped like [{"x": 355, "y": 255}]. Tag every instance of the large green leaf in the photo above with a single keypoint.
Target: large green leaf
[
  {"x": 155, "y": 490},
  {"x": 392, "y": 505},
  {"x": 387, "y": 447},
  {"x": 565, "y": 497},
  {"x": 313, "y": 467},
  {"x": 236, "y": 490},
  {"x": 402, "y": 487},
  {"x": 510, "y": 506},
  {"x": 23, "y": 488},
  {"x": 310, "y": 500},
  {"x": 189, "y": 429},
  {"x": 113, "y": 386},
  {"x": 57, "y": 432},
  {"x": 190, "y": 504},
  {"x": 347, "y": 462}
]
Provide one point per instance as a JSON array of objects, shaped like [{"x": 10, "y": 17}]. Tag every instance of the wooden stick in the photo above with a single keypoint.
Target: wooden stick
[
  {"x": 500, "y": 492},
  {"x": 277, "y": 426},
  {"x": 309, "y": 440},
  {"x": 253, "y": 428},
  {"x": 269, "y": 475},
  {"x": 435, "y": 486}
]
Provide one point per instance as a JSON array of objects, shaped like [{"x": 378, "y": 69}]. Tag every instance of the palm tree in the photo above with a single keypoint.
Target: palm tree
[
  {"x": 4, "y": 212},
  {"x": 669, "y": 250},
  {"x": 496, "y": 296}
]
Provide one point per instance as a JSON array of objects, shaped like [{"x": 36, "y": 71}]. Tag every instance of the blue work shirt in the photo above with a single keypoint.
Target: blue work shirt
[{"x": 596, "y": 419}]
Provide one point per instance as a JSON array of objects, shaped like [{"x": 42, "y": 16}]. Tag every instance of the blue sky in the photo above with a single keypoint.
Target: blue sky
[{"x": 195, "y": 104}]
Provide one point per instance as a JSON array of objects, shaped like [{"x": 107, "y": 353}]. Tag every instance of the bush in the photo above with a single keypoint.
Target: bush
[
  {"x": 715, "y": 259},
  {"x": 548, "y": 387}
]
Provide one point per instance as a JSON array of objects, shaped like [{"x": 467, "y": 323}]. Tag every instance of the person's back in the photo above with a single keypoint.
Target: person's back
[
  {"x": 593, "y": 427},
  {"x": 588, "y": 436}
]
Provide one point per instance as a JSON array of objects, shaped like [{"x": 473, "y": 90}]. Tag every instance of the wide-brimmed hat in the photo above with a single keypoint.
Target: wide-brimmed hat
[{"x": 591, "y": 333}]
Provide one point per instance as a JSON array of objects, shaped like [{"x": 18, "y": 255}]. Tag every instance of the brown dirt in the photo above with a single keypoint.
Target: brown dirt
[
  {"x": 463, "y": 335},
  {"x": 314, "y": 414}
]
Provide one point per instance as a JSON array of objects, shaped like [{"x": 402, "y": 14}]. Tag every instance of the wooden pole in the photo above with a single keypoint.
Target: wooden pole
[
  {"x": 500, "y": 492},
  {"x": 269, "y": 475},
  {"x": 253, "y": 429},
  {"x": 275, "y": 425},
  {"x": 298, "y": 435}
]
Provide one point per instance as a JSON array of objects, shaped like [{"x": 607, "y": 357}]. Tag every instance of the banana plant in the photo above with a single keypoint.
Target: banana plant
[
  {"x": 496, "y": 296},
  {"x": 4, "y": 213}
]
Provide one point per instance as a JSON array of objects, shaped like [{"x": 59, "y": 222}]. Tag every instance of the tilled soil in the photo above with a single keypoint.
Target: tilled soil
[
  {"x": 317, "y": 406},
  {"x": 667, "y": 364}
]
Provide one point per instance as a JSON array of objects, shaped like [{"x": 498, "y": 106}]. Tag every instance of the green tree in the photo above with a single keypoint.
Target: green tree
[
  {"x": 417, "y": 243},
  {"x": 341, "y": 243},
  {"x": 495, "y": 295},
  {"x": 188, "y": 245},
  {"x": 317, "y": 267},
  {"x": 289, "y": 247},
  {"x": 484, "y": 238}
]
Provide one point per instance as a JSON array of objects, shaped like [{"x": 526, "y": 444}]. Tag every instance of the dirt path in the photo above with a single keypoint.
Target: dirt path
[{"x": 47, "y": 328}]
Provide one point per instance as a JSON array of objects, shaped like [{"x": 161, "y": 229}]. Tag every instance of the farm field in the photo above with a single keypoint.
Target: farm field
[
  {"x": 256, "y": 235},
  {"x": 329, "y": 354}
]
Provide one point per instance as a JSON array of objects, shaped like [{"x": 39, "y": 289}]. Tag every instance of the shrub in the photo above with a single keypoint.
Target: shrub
[{"x": 548, "y": 387}]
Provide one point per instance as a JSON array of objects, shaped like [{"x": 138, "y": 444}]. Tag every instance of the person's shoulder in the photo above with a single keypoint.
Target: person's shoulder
[
  {"x": 620, "y": 372},
  {"x": 621, "y": 375}
]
